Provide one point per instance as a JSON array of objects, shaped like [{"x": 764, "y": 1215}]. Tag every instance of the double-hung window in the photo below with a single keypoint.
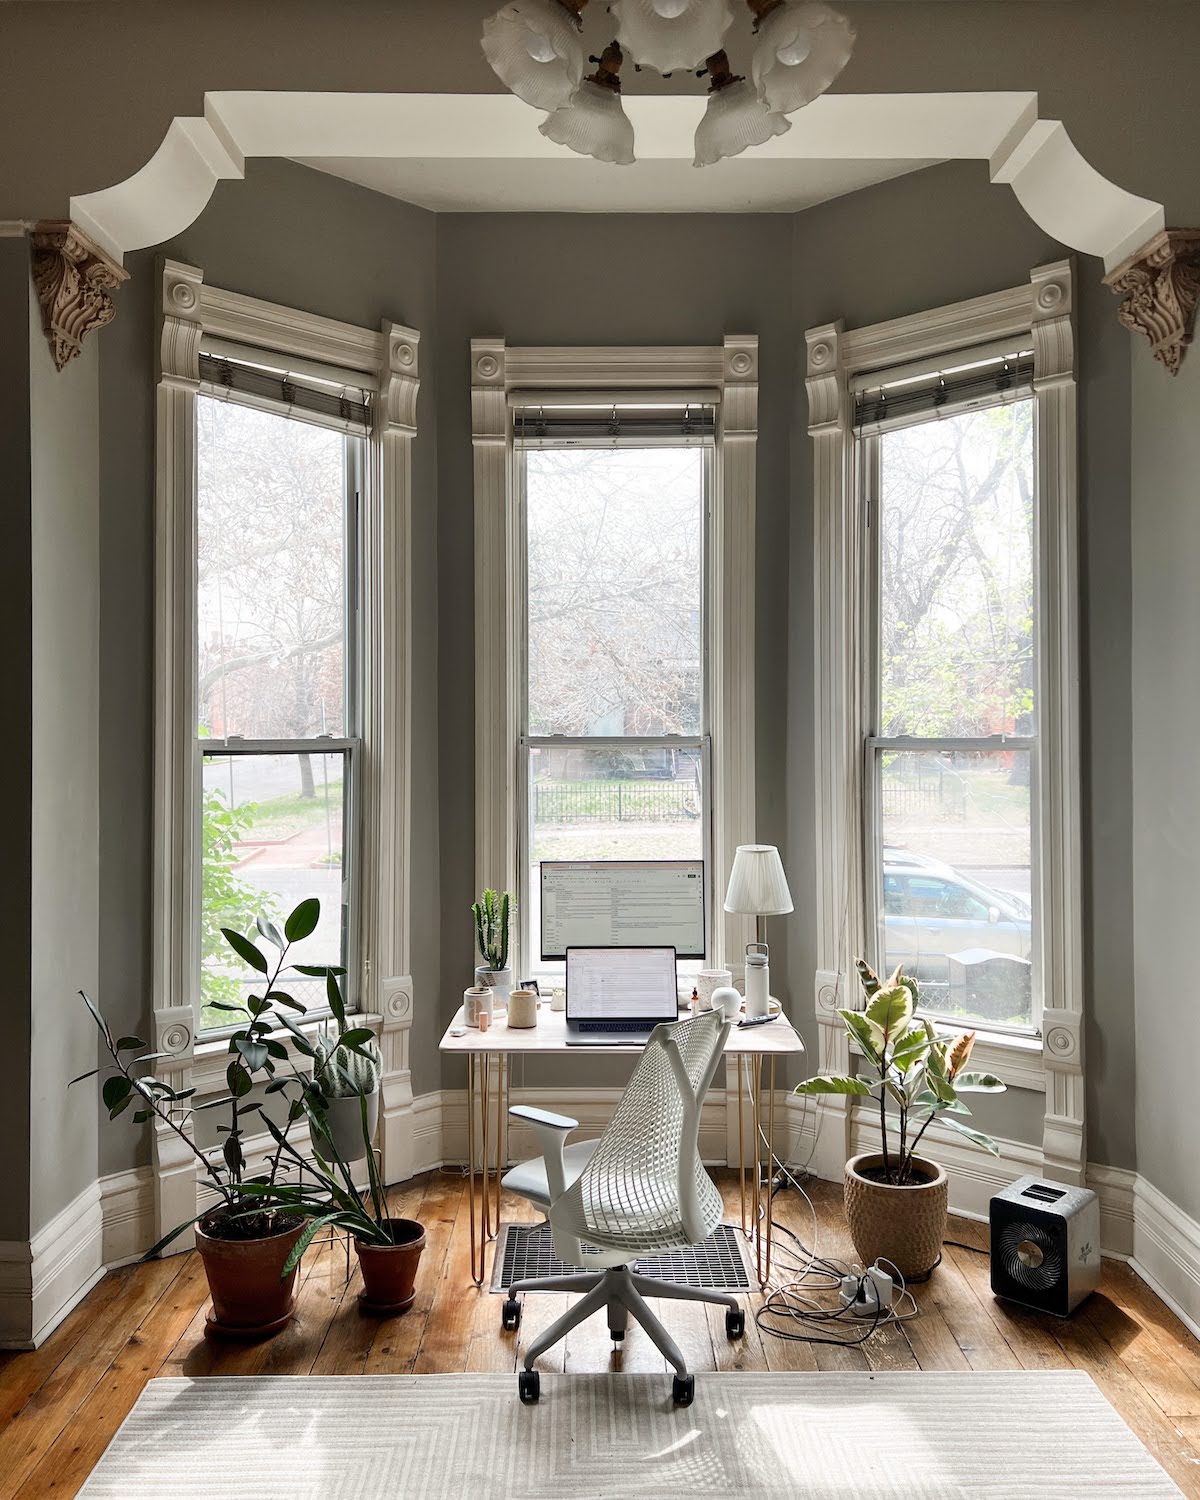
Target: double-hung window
[
  {"x": 948, "y": 475},
  {"x": 613, "y": 758},
  {"x": 280, "y": 468}
]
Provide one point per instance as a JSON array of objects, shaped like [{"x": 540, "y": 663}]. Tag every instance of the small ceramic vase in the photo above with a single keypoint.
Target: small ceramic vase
[
  {"x": 477, "y": 1001},
  {"x": 522, "y": 1009}
]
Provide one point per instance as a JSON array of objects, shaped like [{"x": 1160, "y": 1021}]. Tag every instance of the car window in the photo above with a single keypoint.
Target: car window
[
  {"x": 893, "y": 896},
  {"x": 930, "y": 897}
]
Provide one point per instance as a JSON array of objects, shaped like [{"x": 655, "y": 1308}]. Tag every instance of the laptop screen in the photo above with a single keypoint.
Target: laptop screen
[{"x": 621, "y": 984}]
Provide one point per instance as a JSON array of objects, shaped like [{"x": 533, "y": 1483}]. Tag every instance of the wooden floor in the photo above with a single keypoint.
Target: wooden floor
[{"x": 60, "y": 1405}]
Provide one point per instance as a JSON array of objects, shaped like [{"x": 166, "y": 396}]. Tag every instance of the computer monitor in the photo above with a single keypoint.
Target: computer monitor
[{"x": 615, "y": 903}]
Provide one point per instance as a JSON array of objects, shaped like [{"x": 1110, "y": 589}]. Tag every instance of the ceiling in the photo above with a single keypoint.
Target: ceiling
[{"x": 577, "y": 184}]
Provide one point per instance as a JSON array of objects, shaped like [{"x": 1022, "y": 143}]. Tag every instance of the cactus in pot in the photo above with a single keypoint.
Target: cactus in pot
[{"x": 493, "y": 921}]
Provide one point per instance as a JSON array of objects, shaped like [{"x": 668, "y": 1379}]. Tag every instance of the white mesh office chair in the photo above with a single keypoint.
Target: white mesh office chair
[{"x": 638, "y": 1190}]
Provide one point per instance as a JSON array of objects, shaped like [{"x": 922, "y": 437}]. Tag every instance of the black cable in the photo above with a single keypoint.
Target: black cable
[{"x": 974, "y": 1249}]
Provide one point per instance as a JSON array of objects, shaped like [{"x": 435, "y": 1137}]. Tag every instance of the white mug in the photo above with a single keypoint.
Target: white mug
[
  {"x": 707, "y": 981},
  {"x": 476, "y": 1001}
]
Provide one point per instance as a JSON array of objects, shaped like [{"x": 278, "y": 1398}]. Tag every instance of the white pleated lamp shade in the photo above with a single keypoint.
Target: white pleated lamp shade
[
  {"x": 757, "y": 884},
  {"x": 594, "y": 123},
  {"x": 671, "y": 34},
  {"x": 801, "y": 48},
  {"x": 535, "y": 50},
  {"x": 735, "y": 120}
]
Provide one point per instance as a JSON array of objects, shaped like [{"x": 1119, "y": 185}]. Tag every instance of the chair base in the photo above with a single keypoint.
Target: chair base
[{"x": 623, "y": 1293}]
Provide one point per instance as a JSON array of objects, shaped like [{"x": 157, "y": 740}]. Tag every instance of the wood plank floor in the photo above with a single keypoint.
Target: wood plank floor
[{"x": 60, "y": 1405}]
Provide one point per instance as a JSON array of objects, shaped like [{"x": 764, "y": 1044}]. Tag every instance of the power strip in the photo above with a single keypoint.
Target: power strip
[{"x": 867, "y": 1294}]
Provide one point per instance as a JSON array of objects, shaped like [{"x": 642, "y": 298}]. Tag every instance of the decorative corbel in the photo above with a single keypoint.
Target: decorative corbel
[
  {"x": 1159, "y": 286},
  {"x": 74, "y": 280}
]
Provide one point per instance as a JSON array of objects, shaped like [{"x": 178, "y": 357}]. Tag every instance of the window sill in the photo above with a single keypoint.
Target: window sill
[
  {"x": 210, "y": 1058},
  {"x": 1016, "y": 1060}
]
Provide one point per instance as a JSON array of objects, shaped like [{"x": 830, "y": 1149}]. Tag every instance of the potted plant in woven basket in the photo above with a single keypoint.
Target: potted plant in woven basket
[
  {"x": 247, "y": 1231},
  {"x": 895, "y": 1198}
]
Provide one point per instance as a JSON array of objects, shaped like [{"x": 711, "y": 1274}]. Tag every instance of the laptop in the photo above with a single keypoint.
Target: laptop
[{"x": 617, "y": 996}]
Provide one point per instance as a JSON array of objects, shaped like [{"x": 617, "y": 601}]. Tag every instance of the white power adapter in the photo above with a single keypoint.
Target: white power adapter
[{"x": 868, "y": 1294}]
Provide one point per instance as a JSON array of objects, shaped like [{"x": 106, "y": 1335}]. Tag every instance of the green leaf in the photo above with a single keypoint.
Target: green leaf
[
  {"x": 270, "y": 930},
  {"x": 237, "y": 1010},
  {"x": 978, "y": 1083},
  {"x": 115, "y": 1089},
  {"x": 279, "y": 997},
  {"x": 333, "y": 993},
  {"x": 303, "y": 920},
  {"x": 911, "y": 1046},
  {"x": 245, "y": 950},
  {"x": 976, "y": 1137},
  {"x": 232, "y": 1151},
  {"x": 866, "y": 1034},
  {"x": 318, "y": 971},
  {"x": 97, "y": 1017},
  {"x": 356, "y": 1036},
  {"x": 832, "y": 1083},
  {"x": 91, "y": 1073},
  {"x": 891, "y": 1010},
  {"x": 276, "y": 1049},
  {"x": 129, "y": 1043},
  {"x": 311, "y": 1230},
  {"x": 255, "y": 1053},
  {"x": 239, "y": 1081},
  {"x": 868, "y": 977}
]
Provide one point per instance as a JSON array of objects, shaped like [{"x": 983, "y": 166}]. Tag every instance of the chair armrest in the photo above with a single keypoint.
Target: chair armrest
[
  {"x": 543, "y": 1117},
  {"x": 551, "y": 1131}
]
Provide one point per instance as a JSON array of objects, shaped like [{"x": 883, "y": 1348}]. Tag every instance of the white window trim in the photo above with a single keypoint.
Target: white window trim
[
  {"x": 385, "y": 362},
  {"x": 728, "y": 371},
  {"x": 1043, "y": 311}
]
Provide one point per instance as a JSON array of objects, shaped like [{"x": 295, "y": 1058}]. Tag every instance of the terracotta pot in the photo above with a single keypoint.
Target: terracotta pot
[
  {"x": 390, "y": 1271},
  {"x": 251, "y": 1298},
  {"x": 903, "y": 1225}
]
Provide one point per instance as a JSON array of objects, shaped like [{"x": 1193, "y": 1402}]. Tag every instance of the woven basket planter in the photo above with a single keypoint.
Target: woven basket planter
[{"x": 903, "y": 1225}]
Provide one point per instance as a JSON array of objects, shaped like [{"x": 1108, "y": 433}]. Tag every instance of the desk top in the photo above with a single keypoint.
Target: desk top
[{"x": 777, "y": 1038}]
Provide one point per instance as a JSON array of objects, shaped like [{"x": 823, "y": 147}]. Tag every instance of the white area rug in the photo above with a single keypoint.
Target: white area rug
[{"x": 466, "y": 1437}]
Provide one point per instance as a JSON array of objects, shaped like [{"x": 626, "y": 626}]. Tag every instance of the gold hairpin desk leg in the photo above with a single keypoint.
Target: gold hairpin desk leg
[
  {"x": 476, "y": 1263},
  {"x": 485, "y": 1062},
  {"x": 762, "y": 1251},
  {"x": 501, "y": 1130},
  {"x": 747, "y": 1228}
]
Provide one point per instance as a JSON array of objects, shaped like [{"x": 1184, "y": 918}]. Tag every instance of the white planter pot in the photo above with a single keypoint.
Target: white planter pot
[
  {"x": 344, "y": 1117},
  {"x": 499, "y": 980}
]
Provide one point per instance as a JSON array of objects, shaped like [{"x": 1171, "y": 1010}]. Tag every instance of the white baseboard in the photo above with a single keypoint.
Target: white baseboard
[{"x": 42, "y": 1280}]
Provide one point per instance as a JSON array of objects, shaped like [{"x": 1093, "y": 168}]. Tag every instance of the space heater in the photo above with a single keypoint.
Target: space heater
[{"x": 1045, "y": 1245}]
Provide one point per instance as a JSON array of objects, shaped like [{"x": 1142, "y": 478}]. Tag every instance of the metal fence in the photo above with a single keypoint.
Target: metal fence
[{"x": 615, "y": 801}]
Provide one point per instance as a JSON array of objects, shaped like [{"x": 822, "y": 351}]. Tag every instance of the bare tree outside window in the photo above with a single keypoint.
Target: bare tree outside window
[{"x": 955, "y": 548}]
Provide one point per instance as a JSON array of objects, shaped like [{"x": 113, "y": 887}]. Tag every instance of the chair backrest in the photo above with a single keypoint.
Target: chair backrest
[{"x": 646, "y": 1181}]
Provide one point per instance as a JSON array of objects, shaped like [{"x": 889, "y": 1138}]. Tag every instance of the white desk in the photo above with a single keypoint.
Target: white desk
[{"x": 758, "y": 1047}]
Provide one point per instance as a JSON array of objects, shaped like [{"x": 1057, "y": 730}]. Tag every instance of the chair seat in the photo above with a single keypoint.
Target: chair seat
[{"x": 528, "y": 1178}]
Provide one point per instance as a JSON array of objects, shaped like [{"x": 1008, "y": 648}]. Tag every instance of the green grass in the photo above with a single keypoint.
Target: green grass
[{"x": 282, "y": 817}]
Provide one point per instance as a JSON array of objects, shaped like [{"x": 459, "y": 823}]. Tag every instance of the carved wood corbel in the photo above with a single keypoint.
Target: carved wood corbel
[
  {"x": 74, "y": 280},
  {"x": 1159, "y": 286}
]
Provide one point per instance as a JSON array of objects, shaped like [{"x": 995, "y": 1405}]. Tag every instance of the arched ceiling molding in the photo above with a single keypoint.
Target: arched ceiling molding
[{"x": 1055, "y": 185}]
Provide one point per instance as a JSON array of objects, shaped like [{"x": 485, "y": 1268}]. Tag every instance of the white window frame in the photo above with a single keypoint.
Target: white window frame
[
  {"x": 1042, "y": 311},
  {"x": 385, "y": 363},
  {"x": 727, "y": 376}
]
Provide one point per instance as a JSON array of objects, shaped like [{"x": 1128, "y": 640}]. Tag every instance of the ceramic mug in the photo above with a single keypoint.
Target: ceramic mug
[
  {"x": 707, "y": 981},
  {"x": 522, "y": 1009},
  {"x": 476, "y": 1001}
]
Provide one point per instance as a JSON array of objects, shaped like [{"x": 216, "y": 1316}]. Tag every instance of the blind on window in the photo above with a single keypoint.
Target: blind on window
[
  {"x": 981, "y": 382},
  {"x": 327, "y": 403},
  {"x": 590, "y": 423}
]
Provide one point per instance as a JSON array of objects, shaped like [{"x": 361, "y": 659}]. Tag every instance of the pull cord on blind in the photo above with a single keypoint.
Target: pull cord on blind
[
  {"x": 1006, "y": 376},
  {"x": 277, "y": 388},
  {"x": 676, "y": 421}
]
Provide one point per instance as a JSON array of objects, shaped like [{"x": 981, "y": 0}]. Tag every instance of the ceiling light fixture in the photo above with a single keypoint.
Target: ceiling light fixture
[
  {"x": 593, "y": 122},
  {"x": 534, "y": 48},
  {"x": 736, "y": 118},
  {"x": 671, "y": 34}
]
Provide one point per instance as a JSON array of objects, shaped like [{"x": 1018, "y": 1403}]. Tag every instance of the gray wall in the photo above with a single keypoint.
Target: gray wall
[
  {"x": 1166, "y": 786},
  {"x": 16, "y": 764},
  {"x": 306, "y": 240},
  {"x": 64, "y": 504}
]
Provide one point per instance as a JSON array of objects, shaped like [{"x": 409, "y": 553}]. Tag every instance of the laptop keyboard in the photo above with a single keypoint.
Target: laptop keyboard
[{"x": 609, "y": 1026}]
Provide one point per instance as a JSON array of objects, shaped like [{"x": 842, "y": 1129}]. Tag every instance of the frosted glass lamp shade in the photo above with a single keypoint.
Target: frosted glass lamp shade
[
  {"x": 735, "y": 120},
  {"x": 757, "y": 884},
  {"x": 535, "y": 50},
  {"x": 671, "y": 34},
  {"x": 801, "y": 49},
  {"x": 594, "y": 123}
]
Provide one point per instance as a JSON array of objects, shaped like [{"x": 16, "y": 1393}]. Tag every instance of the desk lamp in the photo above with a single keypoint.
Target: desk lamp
[{"x": 758, "y": 888}]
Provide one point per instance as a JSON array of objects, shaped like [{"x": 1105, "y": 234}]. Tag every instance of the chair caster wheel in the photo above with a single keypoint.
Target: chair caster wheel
[
  {"x": 529, "y": 1384},
  {"x": 617, "y": 1335},
  {"x": 683, "y": 1390},
  {"x": 510, "y": 1316},
  {"x": 735, "y": 1323}
]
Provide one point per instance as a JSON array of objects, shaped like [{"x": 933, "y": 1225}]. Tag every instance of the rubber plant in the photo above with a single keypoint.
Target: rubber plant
[{"x": 922, "y": 1072}]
